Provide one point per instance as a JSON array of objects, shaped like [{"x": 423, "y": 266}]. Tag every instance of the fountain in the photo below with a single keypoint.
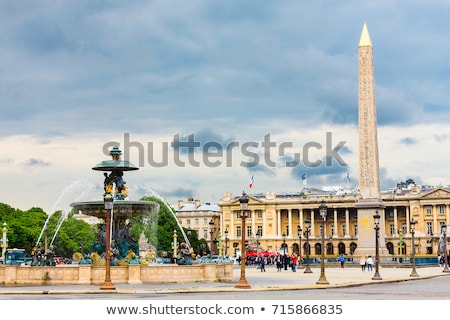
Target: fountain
[
  {"x": 115, "y": 255},
  {"x": 123, "y": 247}
]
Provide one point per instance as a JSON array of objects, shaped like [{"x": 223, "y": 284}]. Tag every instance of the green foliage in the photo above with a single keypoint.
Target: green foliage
[
  {"x": 26, "y": 227},
  {"x": 23, "y": 226},
  {"x": 74, "y": 235},
  {"x": 166, "y": 224}
]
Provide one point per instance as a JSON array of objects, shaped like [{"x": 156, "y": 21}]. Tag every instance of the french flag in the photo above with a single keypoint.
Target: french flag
[{"x": 251, "y": 182}]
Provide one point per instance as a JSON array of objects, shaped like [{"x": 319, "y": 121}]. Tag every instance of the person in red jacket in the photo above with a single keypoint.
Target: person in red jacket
[{"x": 294, "y": 262}]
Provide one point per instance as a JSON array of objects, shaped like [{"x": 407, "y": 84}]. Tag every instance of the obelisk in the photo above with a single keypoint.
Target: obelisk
[{"x": 369, "y": 202}]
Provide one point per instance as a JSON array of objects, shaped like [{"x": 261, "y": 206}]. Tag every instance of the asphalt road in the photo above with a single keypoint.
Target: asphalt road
[{"x": 421, "y": 289}]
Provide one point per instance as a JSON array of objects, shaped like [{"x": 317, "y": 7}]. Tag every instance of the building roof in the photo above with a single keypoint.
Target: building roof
[{"x": 192, "y": 206}]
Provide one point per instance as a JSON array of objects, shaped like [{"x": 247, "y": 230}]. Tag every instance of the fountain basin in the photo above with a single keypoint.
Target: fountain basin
[
  {"x": 11, "y": 275},
  {"x": 122, "y": 209}
]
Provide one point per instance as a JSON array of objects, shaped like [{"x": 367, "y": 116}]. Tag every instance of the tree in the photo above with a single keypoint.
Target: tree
[
  {"x": 166, "y": 224},
  {"x": 25, "y": 228},
  {"x": 74, "y": 235}
]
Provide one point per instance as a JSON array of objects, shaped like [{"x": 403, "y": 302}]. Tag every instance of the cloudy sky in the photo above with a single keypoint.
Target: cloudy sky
[{"x": 255, "y": 88}]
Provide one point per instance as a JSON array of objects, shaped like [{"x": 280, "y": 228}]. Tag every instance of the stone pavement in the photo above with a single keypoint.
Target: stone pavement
[{"x": 269, "y": 280}]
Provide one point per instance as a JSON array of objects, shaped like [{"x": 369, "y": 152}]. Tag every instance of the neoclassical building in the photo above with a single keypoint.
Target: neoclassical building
[
  {"x": 195, "y": 215},
  {"x": 274, "y": 220}
]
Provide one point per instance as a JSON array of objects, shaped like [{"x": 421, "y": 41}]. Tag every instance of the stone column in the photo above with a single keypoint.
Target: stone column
[{"x": 369, "y": 173}]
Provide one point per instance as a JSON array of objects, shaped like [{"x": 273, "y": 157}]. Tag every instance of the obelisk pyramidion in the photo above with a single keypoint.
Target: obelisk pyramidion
[{"x": 369, "y": 201}]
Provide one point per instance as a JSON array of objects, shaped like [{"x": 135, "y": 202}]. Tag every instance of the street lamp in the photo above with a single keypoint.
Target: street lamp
[
  {"x": 211, "y": 229},
  {"x": 376, "y": 219},
  {"x": 308, "y": 228},
  {"x": 413, "y": 249},
  {"x": 299, "y": 232},
  {"x": 284, "y": 246},
  {"x": 444, "y": 237},
  {"x": 243, "y": 284},
  {"x": 4, "y": 240},
  {"x": 175, "y": 246},
  {"x": 108, "y": 202},
  {"x": 226, "y": 242},
  {"x": 323, "y": 215}
]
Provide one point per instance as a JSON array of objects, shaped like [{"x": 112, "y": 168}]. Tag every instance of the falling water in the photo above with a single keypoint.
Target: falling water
[
  {"x": 72, "y": 188},
  {"x": 66, "y": 211},
  {"x": 88, "y": 187},
  {"x": 149, "y": 192}
]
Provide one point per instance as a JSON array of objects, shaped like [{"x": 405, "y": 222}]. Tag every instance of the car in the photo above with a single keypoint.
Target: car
[
  {"x": 15, "y": 256},
  {"x": 160, "y": 260},
  {"x": 59, "y": 260}
]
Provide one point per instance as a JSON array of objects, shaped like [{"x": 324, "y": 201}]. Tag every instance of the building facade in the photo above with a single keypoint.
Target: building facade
[
  {"x": 274, "y": 221},
  {"x": 204, "y": 218}
]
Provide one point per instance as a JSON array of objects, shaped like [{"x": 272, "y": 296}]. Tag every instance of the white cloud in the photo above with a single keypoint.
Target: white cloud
[{"x": 77, "y": 75}]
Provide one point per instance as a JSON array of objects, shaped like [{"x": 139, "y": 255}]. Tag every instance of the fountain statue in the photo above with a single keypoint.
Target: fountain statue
[{"x": 123, "y": 248}]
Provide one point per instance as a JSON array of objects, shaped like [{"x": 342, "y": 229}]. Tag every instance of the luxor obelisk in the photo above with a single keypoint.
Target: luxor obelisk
[{"x": 369, "y": 201}]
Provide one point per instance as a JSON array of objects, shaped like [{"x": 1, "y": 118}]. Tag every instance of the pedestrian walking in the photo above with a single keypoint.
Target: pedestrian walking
[
  {"x": 286, "y": 261},
  {"x": 294, "y": 263},
  {"x": 362, "y": 263},
  {"x": 369, "y": 262},
  {"x": 262, "y": 264},
  {"x": 342, "y": 260},
  {"x": 278, "y": 263}
]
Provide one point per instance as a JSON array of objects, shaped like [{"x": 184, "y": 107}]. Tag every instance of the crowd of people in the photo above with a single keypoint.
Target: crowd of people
[{"x": 281, "y": 261}]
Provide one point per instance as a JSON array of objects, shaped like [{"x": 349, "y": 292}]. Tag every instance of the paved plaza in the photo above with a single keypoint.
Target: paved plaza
[{"x": 270, "y": 280}]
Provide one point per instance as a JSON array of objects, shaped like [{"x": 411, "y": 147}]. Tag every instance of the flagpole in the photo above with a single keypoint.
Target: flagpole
[{"x": 305, "y": 181}]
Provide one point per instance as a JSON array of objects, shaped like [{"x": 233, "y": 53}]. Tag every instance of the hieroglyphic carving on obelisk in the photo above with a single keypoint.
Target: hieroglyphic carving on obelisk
[
  {"x": 369, "y": 177},
  {"x": 369, "y": 172}
]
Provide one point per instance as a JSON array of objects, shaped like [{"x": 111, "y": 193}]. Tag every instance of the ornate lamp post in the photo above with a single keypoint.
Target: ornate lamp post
[
  {"x": 284, "y": 246},
  {"x": 175, "y": 246},
  {"x": 323, "y": 215},
  {"x": 108, "y": 201},
  {"x": 4, "y": 240},
  {"x": 308, "y": 228},
  {"x": 211, "y": 230},
  {"x": 226, "y": 242},
  {"x": 376, "y": 219},
  {"x": 299, "y": 232},
  {"x": 243, "y": 284},
  {"x": 413, "y": 249},
  {"x": 444, "y": 237}
]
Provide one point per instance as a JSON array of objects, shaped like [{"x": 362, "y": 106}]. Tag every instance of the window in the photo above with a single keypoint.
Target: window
[
  {"x": 404, "y": 229},
  {"x": 355, "y": 229},
  {"x": 238, "y": 231},
  {"x": 205, "y": 221},
  {"x": 205, "y": 234},
  {"x": 259, "y": 214},
  {"x": 391, "y": 229},
  {"x": 259, "y": 232},
  {"x": 441, "y": 209},
  {"x": 188, "y": 222},
  {"x": 344, "y": 227},
  {"x": 428, "y": 209},
  {"x": 197, "y": 221},
  {"x": 429, "y": 228},
  {"x": 249, "y": 231},
  {"x": 287, "y": 230}
]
